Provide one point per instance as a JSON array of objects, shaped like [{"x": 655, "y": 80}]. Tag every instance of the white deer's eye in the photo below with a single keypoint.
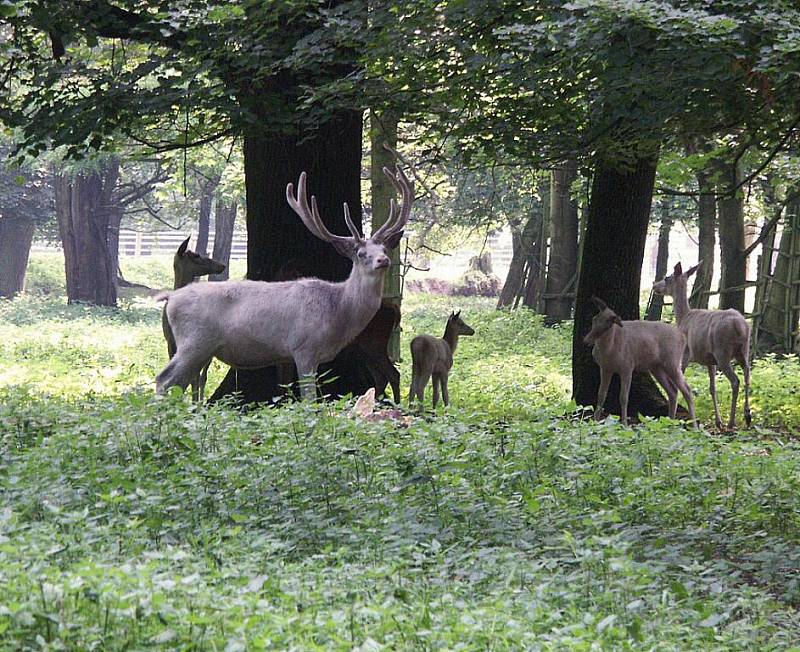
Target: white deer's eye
[{"x": 362, "y": 254}]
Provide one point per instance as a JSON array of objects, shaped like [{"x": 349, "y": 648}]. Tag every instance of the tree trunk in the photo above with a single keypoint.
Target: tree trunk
[
  {"x": 16, "y": 236},
  {"x": 731, "y": 241},
  {"x": 383, "y": 131},
  {"x": 662, "y": 260},
  {"x": 780, "y": 316},
  {"x": 279, "y": 245},
  {"x": 82, "y": 202},
  {"x": 707, "y": 234},
  {"x": 224, "y": 222},
  {"x": 613, "y": 251},
  {"x": 537, "y": 262},
  {"x": 563, "y": 263},
  {"x": 208, "y": 191},
  {"x": 523, "y": 243}
]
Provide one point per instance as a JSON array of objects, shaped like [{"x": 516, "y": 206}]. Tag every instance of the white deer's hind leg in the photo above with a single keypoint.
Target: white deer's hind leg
[
  {"x": 663, "y": 379},
  {"x": 181, "y": 370}
]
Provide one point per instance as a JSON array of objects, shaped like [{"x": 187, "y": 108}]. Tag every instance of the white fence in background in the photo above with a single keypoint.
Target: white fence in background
[{"x": 160, "y": 243}]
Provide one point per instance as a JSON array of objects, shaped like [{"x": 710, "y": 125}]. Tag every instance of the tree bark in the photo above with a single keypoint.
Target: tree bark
[
  {"x": 707, "y": 236},
  {"x": 208, "y": 191},
  {"x": 662, "y": 260},
  {"x": 114, "y": 224},
  {"x": 613, "y": 251},
  {"x": 563, "y": 262},
  {"x": 16, "y": 236},
  {"x": 780, "y": 318},
  {"x": 523, "y": 243},
  {"x": 731, "y": 241},
  {"x": 82, "y": 202},
  {"x": 224, "y": 222},
  {"x": 280, "y": 247},
  {"x": 537, "y": 262}
]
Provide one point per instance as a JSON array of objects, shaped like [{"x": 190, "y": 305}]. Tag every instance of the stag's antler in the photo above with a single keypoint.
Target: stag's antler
[
  {"x": 312, "y": 219},
  {"x": 397, "y": 216}
]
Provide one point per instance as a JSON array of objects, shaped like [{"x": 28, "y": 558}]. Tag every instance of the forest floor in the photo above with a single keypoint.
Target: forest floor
[{"x": 129, "y": 521}]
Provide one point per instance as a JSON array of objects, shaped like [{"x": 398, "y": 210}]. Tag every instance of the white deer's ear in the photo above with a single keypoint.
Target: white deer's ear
[
  {"x": 678, "y": 269},
  {"x": 346, "y": 249},
  {"x": 692, "y": 270}
]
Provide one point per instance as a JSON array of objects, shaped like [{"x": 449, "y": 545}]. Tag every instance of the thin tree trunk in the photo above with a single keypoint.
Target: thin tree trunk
[
  {"x": 563, "y": 262},
  {"x": 779, "y": 319},
  {"x": 82, "y": 202},
  {"x": 523, "y": 242},
  {"x": 280, "y": 247},
  {"x": 209, "y": 190},
  {"x": 16, "y": 236},
  {"x": 613, "y": 251},
  {"x": 537, "y": 262},
  {"x": 224, "y": 222},
  {"x": 707, "y": 235},
  {"x": 662, "y": 259},
  {"x": 114, "y": 224},
  {"x": 731, "y": 241}
]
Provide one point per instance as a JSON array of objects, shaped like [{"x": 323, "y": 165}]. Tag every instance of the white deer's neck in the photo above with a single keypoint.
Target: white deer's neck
[
  {"x": 362, "y": 292},
  {"x": 681, "y": 299}
]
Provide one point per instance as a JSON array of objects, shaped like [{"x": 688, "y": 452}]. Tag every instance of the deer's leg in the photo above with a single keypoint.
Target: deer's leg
[
  {"x": 680, "y": 380},
  {"x": 730, "y": 374},
  {"x": 712, "y": 387},
  {"x": 742, "y": 358},
  {"x": 602, "y": 392},
  {"x": 670, "y": 388},
  {"x": 624, "y": 391},
  {"x": 202, "y": 381},
  {"x": 306, "y": 376},
  {"x": 445, "y": 395},
  {"x": 437, "y": 381},
  {"x": 181, "y": 370},
  {"x": 394, "y": 381}
]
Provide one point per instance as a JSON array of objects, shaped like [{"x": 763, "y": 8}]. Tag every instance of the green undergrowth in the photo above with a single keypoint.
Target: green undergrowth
[{"x": 134, "y": 522}]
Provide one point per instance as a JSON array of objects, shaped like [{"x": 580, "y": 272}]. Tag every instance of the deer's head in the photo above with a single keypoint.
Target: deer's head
[
  {"x": 667, "y": 285},
  {"x": 369, "y": 254},
  {"x": 190, "y": 265},
  {"x": 458, "y": 325},
  {"x": 602, "y": 322}
]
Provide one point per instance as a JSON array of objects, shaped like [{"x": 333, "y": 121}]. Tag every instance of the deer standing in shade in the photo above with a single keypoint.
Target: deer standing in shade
[
  {"x": 253, "y": 324},
  {"x": 714, "y": 338},
  {"x": 189, "y": 266},
  {"x": 433, "y": 357},
  {"x": 622, "y": 347}
]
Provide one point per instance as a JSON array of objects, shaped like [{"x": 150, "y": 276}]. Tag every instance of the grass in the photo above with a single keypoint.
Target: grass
[{"x": 134, "y": 522}]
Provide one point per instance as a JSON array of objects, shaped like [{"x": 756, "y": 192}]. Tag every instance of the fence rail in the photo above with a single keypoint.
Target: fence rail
[{"x": 158, "y": 243}]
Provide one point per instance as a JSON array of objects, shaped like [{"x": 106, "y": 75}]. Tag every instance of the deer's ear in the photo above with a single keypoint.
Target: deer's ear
[
  {"x": 457, "y": 314},
  {"x": 692, "y": 270},
  {"x": 184, "y": 245},
  {"x": 393, "y": 241},
  {"x": 678, "y": 269},
  {"x": 617, "y": 321},
  {"x": 348, "y": 250},
  {"x": 599, "y": 303}
]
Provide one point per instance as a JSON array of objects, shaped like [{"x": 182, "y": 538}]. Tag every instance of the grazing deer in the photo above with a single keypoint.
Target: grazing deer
[
  {"x": 713, "y": 338},
  {"x": 188, "y": 266},
  {"x": 252, "y": 324},
  {"x": 433, "y": 356},
  {"x": 622, "y": 347}
]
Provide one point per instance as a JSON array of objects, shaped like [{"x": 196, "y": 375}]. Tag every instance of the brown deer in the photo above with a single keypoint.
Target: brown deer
[
  {"x": 189, "y": 266},
  {"x": 714, "y": 338},
  {"x": 433, "y": 357}
]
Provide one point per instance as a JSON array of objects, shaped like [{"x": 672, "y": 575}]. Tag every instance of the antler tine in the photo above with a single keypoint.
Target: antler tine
[
  {"x": 310, "y": 214},
  {"x": 397, "y": 217},
  {"x": 352, "y": 227}
]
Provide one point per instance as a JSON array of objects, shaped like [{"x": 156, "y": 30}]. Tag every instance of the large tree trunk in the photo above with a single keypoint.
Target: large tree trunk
[
  {"x": 208, "y": 186},
  {"x": 662, "y": 260},
  {"x": 780, "y": 316},
  {"x": 707, "y": 240},
  {"x": 563, "y": 263},
  {"x": 279, "y": 245},
  {"x": 82, "y": 202},
  {"x": 613, "y": 251},
  {"x": 224, "y": 222},
  {"x": 731, "y": 241},
  {"x": 16, "y": 236}
]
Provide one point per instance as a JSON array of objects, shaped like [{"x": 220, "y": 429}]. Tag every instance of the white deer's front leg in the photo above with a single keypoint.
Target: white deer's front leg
[{"x": 306, "y": 376}]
